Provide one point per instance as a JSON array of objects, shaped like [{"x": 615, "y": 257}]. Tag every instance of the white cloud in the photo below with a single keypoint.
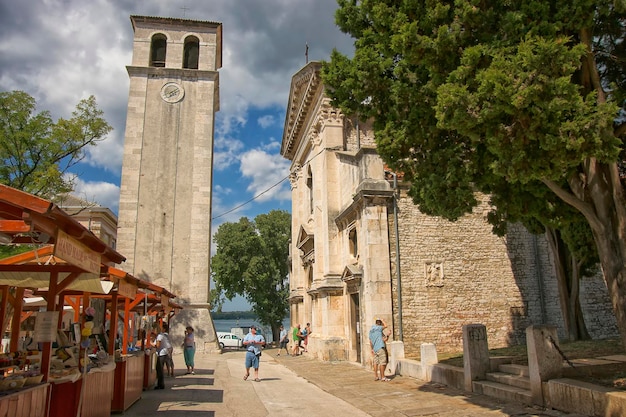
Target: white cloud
[
  {"x": 266, "y": 171},
  {"x": 107, "y": 154},
  {"x": 226, "y": 152},
  {"x": 104, "y": 194},
  {"x": 266, "y": 121},
  {"x": 61, "y": 51}
]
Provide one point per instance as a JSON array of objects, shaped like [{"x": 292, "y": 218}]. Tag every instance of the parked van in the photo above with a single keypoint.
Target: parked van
[
  {"x": 242, "y": 331},
  {"x": 229, "y": 340}
]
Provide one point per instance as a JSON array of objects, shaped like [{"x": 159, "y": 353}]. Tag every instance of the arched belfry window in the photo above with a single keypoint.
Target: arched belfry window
[
  {"x": 158, "y": 50},
  {"x": 190, "y": 53}
]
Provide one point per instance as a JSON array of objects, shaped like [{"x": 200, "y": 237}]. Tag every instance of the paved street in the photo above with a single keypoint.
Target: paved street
[{"x": 300, "y": 386}]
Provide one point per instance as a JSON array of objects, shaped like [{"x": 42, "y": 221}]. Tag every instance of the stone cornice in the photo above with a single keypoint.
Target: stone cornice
[
  {"x": 352, "y": 277},
  {"x": 330, "y": 284},
  {"x": 178, "y": 73},
  {"x": 304, "y": 86},
  {"x": 368, "y": 192}
]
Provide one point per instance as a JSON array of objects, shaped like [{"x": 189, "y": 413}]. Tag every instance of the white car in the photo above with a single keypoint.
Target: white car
[{"x": 229, "y": 340}]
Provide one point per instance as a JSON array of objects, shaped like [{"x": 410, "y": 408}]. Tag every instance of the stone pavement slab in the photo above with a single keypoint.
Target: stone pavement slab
[{"x": 302, "y": 386}]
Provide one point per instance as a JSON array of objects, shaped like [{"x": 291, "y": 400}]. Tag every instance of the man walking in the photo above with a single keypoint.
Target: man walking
[
  {"x": 379, "y": 351},
  {"x": 253, "y": 343},
  {"x": 283, "y": 340}
]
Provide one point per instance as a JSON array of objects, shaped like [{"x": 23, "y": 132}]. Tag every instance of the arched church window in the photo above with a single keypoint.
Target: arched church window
[
  {"x": 309, "y": 184},
  {"x": 309, "y": 274},
  {"x": 353, "y": 243},
  {"x": 191, "y": 52},
  {"x": 158, "y": 50}
]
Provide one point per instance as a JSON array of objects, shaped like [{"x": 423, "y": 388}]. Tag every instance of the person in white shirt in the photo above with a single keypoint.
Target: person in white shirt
[
  {"x": 163, "y": 347},
  {"x": 253, "y": 343}
]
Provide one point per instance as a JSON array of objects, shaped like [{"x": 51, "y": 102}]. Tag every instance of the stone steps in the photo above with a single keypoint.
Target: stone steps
[
  {"x": 517, "y": 381},
  {"x": 502, "y": 391},
  {"x": 509, "y": 383},
  {"x": 513, "y": 369}
]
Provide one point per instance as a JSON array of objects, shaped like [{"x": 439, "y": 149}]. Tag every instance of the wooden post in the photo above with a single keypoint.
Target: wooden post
[
  {"x": 47, "y": 346},
  {"x": 125, "y": 327},
  {"x": 15, "y": 323},
  {"x": 3, "y": 305},
  {"x": 113, "y": 324}
]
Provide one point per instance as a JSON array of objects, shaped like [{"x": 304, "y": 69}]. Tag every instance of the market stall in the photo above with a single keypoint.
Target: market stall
[
  {"x": 133, "y": 369},
  {"x": 138, "y": 304},
  {"x": 62, "y": 380}
]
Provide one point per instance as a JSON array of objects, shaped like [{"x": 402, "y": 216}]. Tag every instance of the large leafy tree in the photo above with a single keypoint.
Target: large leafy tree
[
  {"x": 252, "y": 260},
  {"x": 504, "y": 97},
  {"x": 36, "y": 152}
]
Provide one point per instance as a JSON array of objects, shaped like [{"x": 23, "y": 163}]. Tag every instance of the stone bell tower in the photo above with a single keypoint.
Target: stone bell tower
[{"x": 164, "y": 227}]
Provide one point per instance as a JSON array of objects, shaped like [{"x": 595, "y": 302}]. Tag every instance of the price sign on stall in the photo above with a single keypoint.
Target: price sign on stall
[{"x": 46, "y": 326}]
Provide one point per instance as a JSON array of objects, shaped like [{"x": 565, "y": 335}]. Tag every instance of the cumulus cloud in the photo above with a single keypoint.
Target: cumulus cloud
[
  {"x": 268, "y": 174},
  {"x": 61, "y": 51},
  {"x": 104, "y": 194},
  {"x": 266, "y": 121},
  {"x": 226, "y": 153}
]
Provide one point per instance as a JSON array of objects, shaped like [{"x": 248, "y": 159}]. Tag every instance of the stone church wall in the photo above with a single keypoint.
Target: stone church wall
[
  {"x": 597, "y": 308},
  {"x": 457, "y": 273}
]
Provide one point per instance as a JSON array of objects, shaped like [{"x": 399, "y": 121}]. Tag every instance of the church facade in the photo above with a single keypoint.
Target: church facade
[{"x": 361, "y": 250}]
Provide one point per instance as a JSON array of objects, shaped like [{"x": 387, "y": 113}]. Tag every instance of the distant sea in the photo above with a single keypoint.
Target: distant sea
[{"x": 226, "y": 325}]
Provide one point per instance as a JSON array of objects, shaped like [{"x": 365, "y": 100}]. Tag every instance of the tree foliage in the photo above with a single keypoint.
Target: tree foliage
[
  {"x": 36, "y": 152},
  {"x": 523, "y": 100},
  {"x": 252, "y": 260}
]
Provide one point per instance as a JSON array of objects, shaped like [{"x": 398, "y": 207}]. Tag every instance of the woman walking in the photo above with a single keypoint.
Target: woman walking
[{"x": 189, "y": 349}]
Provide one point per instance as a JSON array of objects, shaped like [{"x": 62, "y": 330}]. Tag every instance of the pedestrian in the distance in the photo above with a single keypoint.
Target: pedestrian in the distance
[
  {"x": 163, "y": 347},
  {"x": 282, "y": 341},
  {"x": 253, "y": 343},
  {"x": 189, "y": 350},
  {"x": 296, "y": 334},
  {"x": 306, "y": 337},
  {"x": 379, "y": 351}
]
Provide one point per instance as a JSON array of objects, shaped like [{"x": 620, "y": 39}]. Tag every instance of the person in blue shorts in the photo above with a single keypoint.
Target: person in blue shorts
[{"x": 253, "y": 343}]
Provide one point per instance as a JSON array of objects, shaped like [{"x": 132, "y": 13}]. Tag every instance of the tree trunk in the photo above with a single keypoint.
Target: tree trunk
[
  {"x": 567, "y": 275},
  {"x": 597, "y": 192}
]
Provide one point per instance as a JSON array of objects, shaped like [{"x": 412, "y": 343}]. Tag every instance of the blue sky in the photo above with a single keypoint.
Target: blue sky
[{"x": 61, "y": 51}]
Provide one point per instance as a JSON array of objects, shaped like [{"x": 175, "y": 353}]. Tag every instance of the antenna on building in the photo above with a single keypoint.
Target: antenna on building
[
  {"x": 306, "y": 53},
  {"x": 184, "y": 9}
]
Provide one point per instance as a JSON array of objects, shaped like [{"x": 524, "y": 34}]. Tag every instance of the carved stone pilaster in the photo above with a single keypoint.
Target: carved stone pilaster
[{"x": 295, "y": 175}]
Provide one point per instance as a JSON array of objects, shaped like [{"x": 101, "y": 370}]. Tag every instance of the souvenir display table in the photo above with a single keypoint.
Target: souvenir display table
[
  {"x": 129, "y": 377},
  {"x": 149, "y": 368},
  {"x": 97, "y": 395},
  {"x": 29, "y": 401}
]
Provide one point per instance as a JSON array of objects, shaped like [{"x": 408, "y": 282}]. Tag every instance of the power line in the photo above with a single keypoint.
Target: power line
[
  {"x": 263, "y": 192},
  {"x": 252, "y": 199}
]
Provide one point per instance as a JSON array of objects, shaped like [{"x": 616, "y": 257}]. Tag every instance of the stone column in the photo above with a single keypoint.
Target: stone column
[
  {"x": 396, "y": 353},
  {"x": 428, "y": 358},
  {"x": 544, "y": 360},
  {"x": 475, "y": 354}
]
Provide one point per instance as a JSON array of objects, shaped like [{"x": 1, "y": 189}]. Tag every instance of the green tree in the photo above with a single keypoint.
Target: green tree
[
  {"x": 252, "y": 260},
  {"x": 481, "y": 96},
  {"x": 36, "y": 153}
]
